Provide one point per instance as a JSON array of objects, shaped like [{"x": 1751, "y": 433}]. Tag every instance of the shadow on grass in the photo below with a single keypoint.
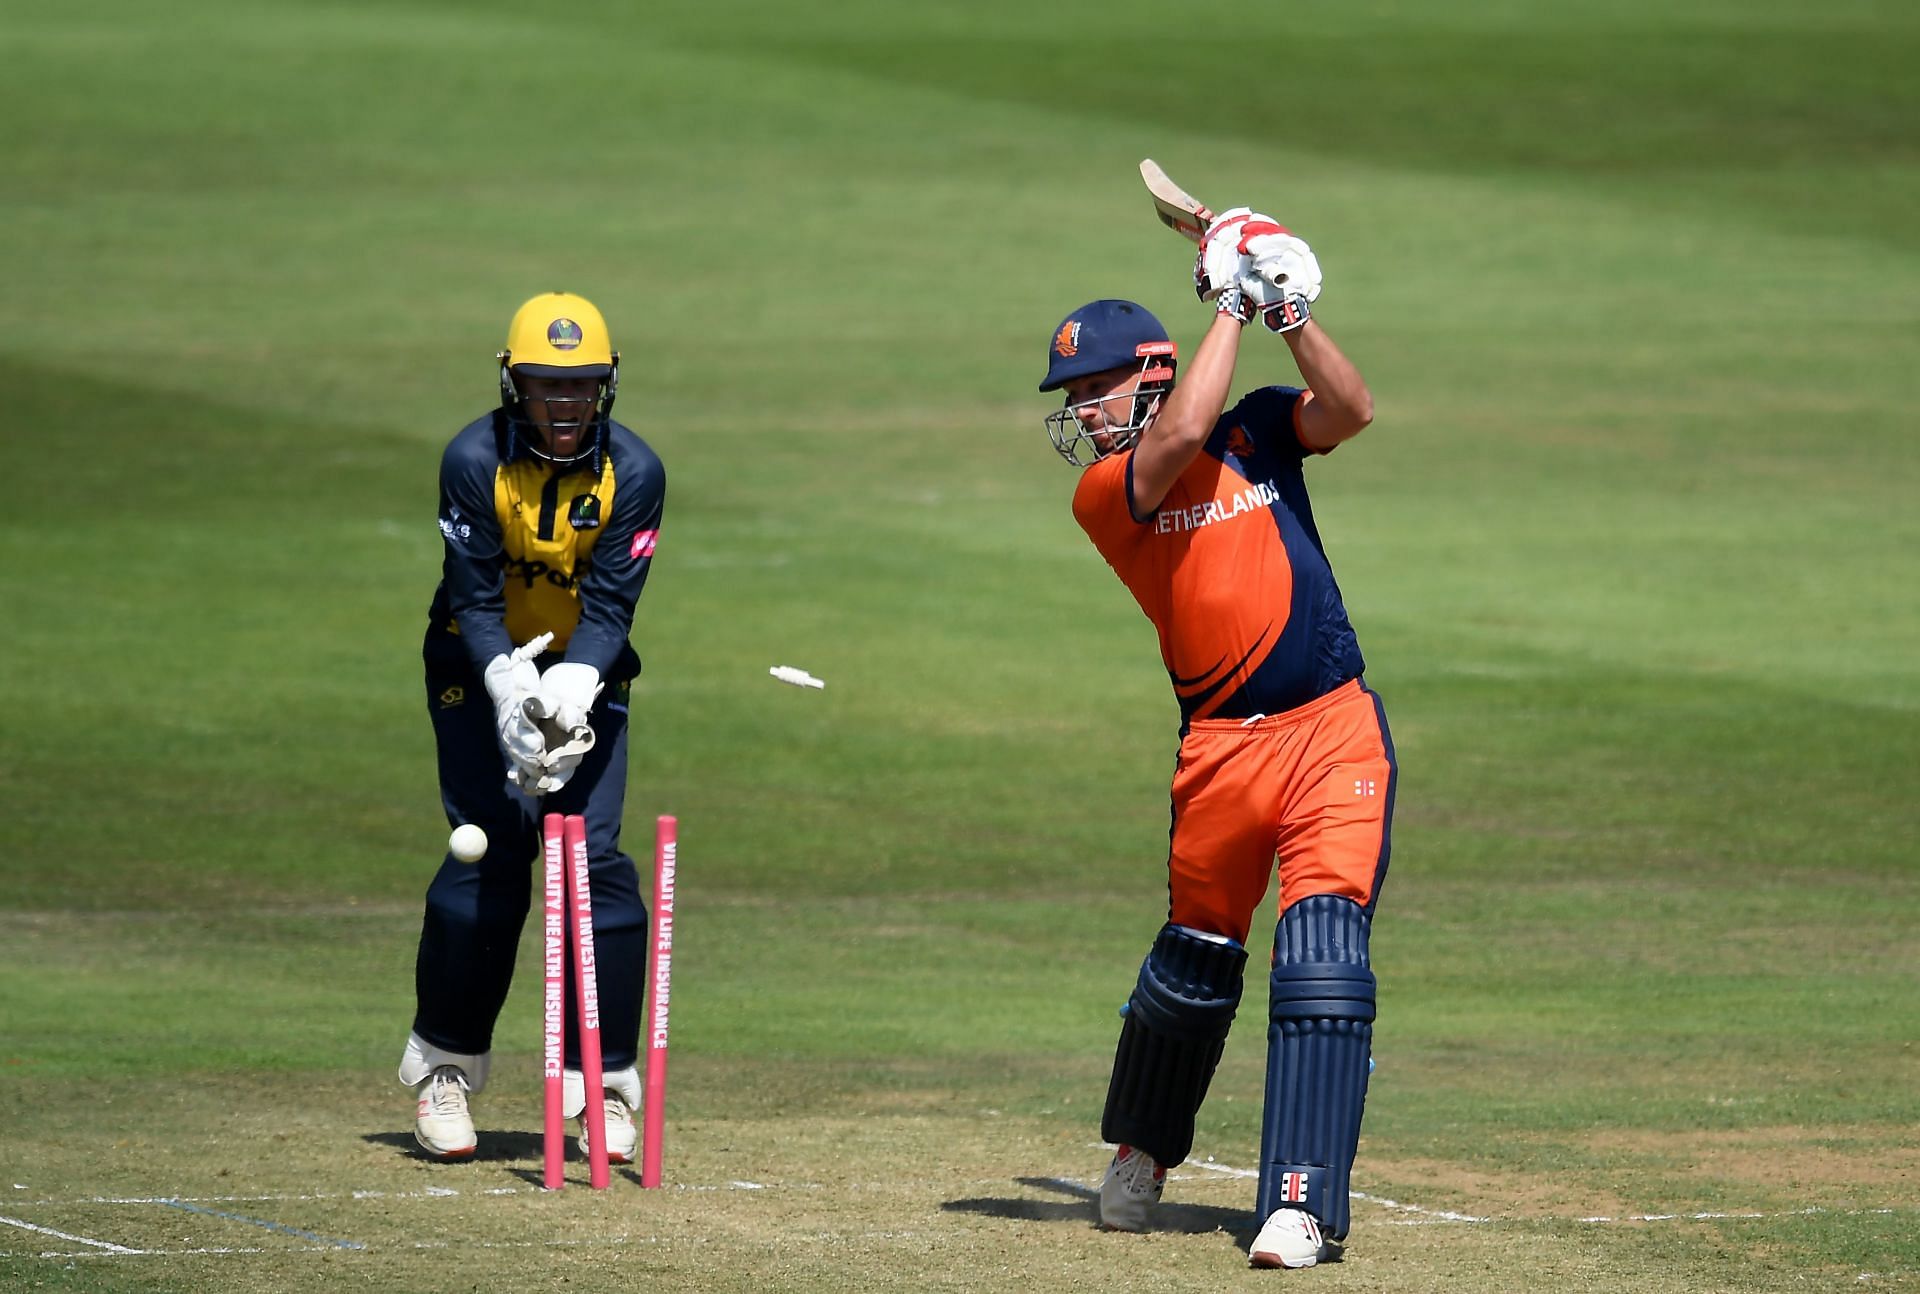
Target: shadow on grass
[
  {"x": 529, "y": 1148},
  {"x": 492, "y": 1147},
  {"x": 1082, "y": 1206}
]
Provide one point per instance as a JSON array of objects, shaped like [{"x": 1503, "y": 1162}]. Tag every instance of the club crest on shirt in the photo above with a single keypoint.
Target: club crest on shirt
[
  {"x": 584, "y": 512},
  {"x": 1239, "y": 444}
]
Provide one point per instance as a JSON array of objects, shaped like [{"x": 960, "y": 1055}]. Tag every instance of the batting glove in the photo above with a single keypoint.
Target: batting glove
[
  {"x": 1283, "y": 275},
  {"x": 1220, "y": 262},
  {"x": 1236, "y": 302},
  {"x": 1280, "y": 260}
]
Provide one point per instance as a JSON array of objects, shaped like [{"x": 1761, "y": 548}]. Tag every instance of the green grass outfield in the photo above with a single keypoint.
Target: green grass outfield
[{"x": 1632, "y": 550}]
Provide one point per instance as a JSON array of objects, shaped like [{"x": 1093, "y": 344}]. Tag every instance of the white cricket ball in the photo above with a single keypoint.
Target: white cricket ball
[{"x": 467, "y": 843}]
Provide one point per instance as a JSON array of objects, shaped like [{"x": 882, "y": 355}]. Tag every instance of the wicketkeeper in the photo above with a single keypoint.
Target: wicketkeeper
[
  {"x": 1202, "y": 512},
  {"x": 549, "y": 510}
]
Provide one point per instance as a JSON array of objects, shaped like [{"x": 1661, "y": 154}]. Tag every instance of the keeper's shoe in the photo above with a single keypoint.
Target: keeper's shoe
[
  {"x": 1130, "y": 1189},
  {"x": 441, "y": 1123},
  {"x": 1291, "y": 1238},
  {"x": 622, "y": 1137},
  {"x": 620, "y": 1099}
]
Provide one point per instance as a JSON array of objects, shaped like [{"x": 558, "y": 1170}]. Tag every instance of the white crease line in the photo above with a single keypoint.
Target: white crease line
[
  {"x": 150, "y": 1253},
  {"x": 62, "y": 1235},
  {"x": 264, "y": 1223},
  {"x": 1441, "y": 1215},
  {"x": 1066, "y": 1182},
  {"x": 1708, "y": 1217},
  {"x": 1431, "y": 1217},
  {"x": 1438, "y": 1215},
  {"x": 103, "y": 1249},
  {"x": 611, "y": 1242},
  {"x": 1223, "y": 1169},
  {"x": 428, "y": 1193}
]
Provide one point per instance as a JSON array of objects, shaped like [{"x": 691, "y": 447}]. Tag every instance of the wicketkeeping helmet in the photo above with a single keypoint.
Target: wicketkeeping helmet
[
  {"x": 559, "y": 335},
  {"x": 1099, "y": 336}
]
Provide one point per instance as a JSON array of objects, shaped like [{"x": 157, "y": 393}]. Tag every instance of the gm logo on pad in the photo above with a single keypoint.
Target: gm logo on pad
[{"x": 563, "y": 334}]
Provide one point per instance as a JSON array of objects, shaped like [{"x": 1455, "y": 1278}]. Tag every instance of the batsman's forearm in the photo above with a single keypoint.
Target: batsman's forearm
[
  {"x": 1345, "y": 405},
  {"x": 1195, "y": 402},
  {"x": 1182, "y": 426}
]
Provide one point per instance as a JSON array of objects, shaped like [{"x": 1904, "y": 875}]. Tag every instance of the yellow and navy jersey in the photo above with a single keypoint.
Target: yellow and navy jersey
[
  {"x": 1230, "y": 568},
  {"x": 535, "y": 547}
]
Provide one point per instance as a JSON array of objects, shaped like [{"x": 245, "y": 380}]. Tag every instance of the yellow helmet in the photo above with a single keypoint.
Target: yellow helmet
[{"x": 558, "y": 335}]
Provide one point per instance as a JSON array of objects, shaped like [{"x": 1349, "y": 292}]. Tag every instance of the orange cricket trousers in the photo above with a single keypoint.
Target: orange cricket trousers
[{"x": 1313, "y": 786}]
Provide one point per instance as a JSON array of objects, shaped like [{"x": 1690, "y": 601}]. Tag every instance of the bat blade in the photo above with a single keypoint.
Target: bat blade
[{"x": 1178, "y": 210}]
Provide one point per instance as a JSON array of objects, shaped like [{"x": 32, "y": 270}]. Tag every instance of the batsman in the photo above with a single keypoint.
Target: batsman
[
  {"x": 1284, "y": 753},
  {"x": 549, "y": 512}
]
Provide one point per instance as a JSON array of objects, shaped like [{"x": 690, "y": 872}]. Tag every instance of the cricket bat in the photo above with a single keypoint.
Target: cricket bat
[{"x": 1178, "y": 210}]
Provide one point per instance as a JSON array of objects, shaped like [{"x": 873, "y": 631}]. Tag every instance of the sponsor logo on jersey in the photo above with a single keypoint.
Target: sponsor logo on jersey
[
  {"x": 456, "y": 531},
  {"x": 642, "y": 545},
  {"x": 584, "y": 512},
  {"x": 564, "y": 334},
  {"x": 1255, "y": 498},
  {"x": 532, "y": 572},
  {"x": 452, "y": 696}
]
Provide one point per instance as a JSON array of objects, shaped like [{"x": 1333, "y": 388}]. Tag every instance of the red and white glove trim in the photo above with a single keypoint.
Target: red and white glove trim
[
  {"x": 1288, "y": 314},
  {"x": 1220, "y": 262}
]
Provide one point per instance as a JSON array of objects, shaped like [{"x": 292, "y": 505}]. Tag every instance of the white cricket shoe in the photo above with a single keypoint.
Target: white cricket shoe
[
  {"x": 1130, "y": 1189},
  {"x": 620, "y": 1098},
  {"x": 622, "y": 1137},
  {"x": 1291, "y": 1238},
  {"x": 441, "y": 1123}
]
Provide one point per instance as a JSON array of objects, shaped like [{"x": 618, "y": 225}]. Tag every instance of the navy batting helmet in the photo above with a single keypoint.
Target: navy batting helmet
[{"x": 1102, "y": 335}]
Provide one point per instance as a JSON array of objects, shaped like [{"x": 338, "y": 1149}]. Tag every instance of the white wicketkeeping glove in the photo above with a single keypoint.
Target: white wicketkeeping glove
[
  {"x": 513, "y": 681},
  {"x": 567, "y": 693},
  {"x": 1220, "y": 262},
  {"x": 569, "y": 690}
]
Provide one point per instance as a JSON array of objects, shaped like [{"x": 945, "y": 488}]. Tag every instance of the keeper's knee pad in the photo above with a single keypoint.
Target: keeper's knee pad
[
  {"x": 1318, "y": 1041},
  {"x": 1176, "y": 1026}
]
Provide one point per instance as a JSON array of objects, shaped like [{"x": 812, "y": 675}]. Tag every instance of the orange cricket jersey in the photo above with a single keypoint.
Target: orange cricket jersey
[
  {"x": 1283, "y": 750},
  {"x": 1230, "y": 568}
]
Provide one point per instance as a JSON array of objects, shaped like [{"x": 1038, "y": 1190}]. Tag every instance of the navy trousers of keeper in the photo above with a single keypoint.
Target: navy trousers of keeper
[{"x": 475, "y": 911}]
